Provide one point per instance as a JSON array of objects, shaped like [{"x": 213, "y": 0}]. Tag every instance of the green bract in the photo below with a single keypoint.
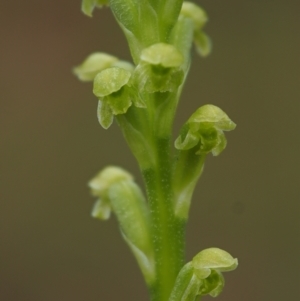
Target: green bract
[
  {"x": 143, "y": 98},
  {"x": 205, "y": 128},
  {"x": 130, "y": 207},
  {"x": 117, "y": 192}
]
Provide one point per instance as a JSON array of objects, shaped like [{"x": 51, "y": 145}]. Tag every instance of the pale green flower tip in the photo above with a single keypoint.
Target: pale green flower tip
[
  {"x": 93, "y": 64},
  {"x": 211, "y": 114},
  {"x": 101, "y": 210},
  {"x": 106, "y": 177},
  {"x": 88, "y": 6},
  {"x": 213, "y": 259},
  {"x": 162, "y": 54},
  {"x": 124, "y": 65},
  {"x": 195, "y": 13},
  {"x": 110, "y": 80}
]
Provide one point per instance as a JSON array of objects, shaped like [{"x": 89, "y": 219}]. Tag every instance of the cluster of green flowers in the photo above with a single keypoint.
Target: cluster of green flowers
[{"x": 142, "y": 96}]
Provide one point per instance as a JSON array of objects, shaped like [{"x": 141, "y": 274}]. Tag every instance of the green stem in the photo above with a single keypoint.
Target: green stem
[{"x": 168, "y": 232}]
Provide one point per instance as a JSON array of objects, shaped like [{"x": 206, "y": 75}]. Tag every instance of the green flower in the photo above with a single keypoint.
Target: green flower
[
  {"x": 203, "y": 275},
  {"x": 159, "y": 69},
  {"x": 100, "y": 185},
  {"x": 205, "y": 129},
  {"x": 208, "y": 265},
  {"x": 110, "y": 86}
]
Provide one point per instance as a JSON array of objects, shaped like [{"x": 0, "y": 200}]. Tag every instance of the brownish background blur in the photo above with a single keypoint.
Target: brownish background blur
[{"x": 247, "y": 201}]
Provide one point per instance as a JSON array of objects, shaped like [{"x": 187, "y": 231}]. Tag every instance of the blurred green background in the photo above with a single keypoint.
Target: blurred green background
[{"x": 247, "y": 201}]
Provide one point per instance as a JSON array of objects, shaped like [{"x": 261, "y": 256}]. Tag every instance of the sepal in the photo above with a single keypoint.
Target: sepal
[
  {"x": 205, "y": 128},
  {"x": 88, "y": 6},
  {"x": 162, "y": 54},
  {"x": 213, "y": 259},
  {"x": 93, "y": 64}
]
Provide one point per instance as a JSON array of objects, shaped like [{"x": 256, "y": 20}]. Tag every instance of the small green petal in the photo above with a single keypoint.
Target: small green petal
[
  {"x": 93, "y": 64},
  {"x": 110, "y": 80},
  {"x": 202, "y": 43},
  {"x": 212, "y": 285},
  {"x": 195, "y": 13},
  {"x": 187, "y": 139},
  {"x": 162, "y": 54},
  {"x": 87, "y": 6},
  {"x": 104, "y": 114},
  {"x": 222, "y": 142},
  {"x": 101, "y": 210}
]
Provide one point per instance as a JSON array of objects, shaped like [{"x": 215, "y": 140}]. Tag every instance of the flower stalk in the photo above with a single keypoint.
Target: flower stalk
[{"x": 142, "y": 97}]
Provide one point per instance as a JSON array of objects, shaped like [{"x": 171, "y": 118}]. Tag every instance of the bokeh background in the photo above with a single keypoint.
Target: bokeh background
[{"x": 247, "y": 201}]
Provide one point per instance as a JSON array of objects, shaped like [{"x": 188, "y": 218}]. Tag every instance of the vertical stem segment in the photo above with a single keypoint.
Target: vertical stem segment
[{"x": 168, "y": 232}]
